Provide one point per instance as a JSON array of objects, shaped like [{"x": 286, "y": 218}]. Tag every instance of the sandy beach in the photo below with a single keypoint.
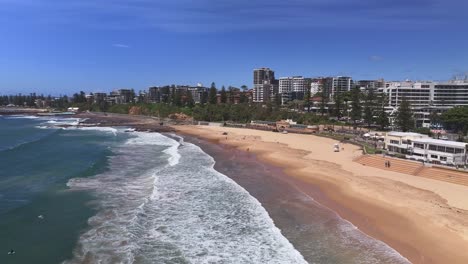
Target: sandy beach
[{"x": 425, "y": 220}]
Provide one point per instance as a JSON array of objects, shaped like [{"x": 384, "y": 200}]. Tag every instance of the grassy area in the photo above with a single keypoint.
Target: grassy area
[
  {"x": 371, "y": 150},
  {"x": 332, "y": 136}
]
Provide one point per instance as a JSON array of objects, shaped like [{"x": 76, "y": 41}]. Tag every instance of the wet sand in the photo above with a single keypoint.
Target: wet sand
[
  {"x": 425, "y": 220},
  {"x": 316, "y": 231}
]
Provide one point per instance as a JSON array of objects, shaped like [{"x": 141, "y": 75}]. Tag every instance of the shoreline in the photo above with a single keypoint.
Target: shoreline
[
  {"x": 405, "y": 229},
  {"x": 294, "y": 211},
  {"x": 425, "y": 220}
]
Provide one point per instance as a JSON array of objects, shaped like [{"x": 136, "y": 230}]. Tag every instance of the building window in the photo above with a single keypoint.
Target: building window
[
  {"x": 434, "y": 156},
  {"x": 441, "y": 148},
  {"x": 433, "y": 147},
  {"x": 418, "y": 145},
  {"x": 449, "y": 150},
  {"x": 443, "y": 158},
  {"x": 457, "y": 151},
  {"x": 395, "y": 142}
]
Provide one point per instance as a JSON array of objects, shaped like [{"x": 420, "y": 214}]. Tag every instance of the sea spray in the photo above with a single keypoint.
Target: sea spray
[{"x": 163, "y": 202}]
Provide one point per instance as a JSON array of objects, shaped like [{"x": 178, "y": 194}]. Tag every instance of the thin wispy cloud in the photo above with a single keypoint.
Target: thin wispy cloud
[
  {"x": 375, "y": 58},
  {"x": 119, "y": 45}
]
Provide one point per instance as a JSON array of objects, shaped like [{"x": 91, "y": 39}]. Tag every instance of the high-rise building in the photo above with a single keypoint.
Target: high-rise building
[
  {"x": 121, "y": 96},
  {"x": 99, "y": 97},
  {"x": 370, "y": 84},
  {"x": 291, "y": 88},
  {"x": 265, "y": 85},
  {"x": 199, "y": 93},
  {"x": 337, "y": 85},
  {"x": 154, "y": 95},
  {"x": 418, "y": 94},
  {"x": 263, "y": 74},
  {"x": 450, "y": 94}
]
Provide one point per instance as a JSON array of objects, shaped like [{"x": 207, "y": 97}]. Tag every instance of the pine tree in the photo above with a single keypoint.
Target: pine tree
[
  {"x": 189, "y": 100},
  {"x": 178, "y": 98},
  {"x": 382, "y": 117},
  {"x": 356, "y": 108},
  {"x": 212, "y": 94},
  {"x": 404, "y": 118},
  {"x": 204, "y": 97},
  {"x": 323, "y": 102},
  {"x": 223, "y": 95},
  {"x": 369, "y": 107},
  {"x": 338, "y": 99},
  {"x": 307, "y": 100},
  {"x": 173, "y": 94}
]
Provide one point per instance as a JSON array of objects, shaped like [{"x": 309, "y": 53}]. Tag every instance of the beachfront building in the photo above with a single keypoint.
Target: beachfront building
[
  {"x": 438, "y": 151},
  {"x": 337, "y": 85},
  {"x": 292, "y": 88},
  {"x": 99, "y": 97},
  {"x": 370, "y": 84},
  {"x": 121, "y": 96},
  {"x": 265, "y": 85},
  {"x": 418, "y": 94},
  {"x": 450, "y": 94},
  {"x": 426, "y": 97},
  {"x": 401, "y": 142},
  {"x": 314, "y": 87},
  {"x": 199, "y": 93}
]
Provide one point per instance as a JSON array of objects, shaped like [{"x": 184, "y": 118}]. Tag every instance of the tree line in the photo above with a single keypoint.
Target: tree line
[{"x": 361, "y": 108}]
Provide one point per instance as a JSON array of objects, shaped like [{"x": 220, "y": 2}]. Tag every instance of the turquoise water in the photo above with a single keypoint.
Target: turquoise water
[
  {"x": 35, "y": 166},
  {"x": 100, "y": 195}
]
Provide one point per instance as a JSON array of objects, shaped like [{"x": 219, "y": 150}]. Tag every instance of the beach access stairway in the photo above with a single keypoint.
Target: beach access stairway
[{"x": 414, "y": 168}]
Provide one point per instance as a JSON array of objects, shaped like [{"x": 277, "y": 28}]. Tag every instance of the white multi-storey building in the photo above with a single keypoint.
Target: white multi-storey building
[
  {"x": 400, "y": 142},
  {"x": 418, "y": 94},
  {"x": 314, "y": 88},
  {"x": 336, "y": 85},
  {"x": 292, "y": 87},
  {"x": 447, "y": 95},
  {"x": 438, "y": 151},
  {"x": 426, "y": 97},
  {"x": 292, "y": 84},
  {"x": 427, "y": 94}
]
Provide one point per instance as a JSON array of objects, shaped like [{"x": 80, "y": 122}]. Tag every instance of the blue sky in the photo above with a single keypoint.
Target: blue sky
[{"x": 59, "y": 47}]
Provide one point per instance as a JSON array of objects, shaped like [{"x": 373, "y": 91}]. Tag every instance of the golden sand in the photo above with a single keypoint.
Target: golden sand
[{"x": 425, "y": 220}]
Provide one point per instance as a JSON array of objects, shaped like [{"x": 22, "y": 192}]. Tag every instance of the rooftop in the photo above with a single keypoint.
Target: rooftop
[
  {"x": 406, "y": 134},
  {"x": 441, "y": 142}
]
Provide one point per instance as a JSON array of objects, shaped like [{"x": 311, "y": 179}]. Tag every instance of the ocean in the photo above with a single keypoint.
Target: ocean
[{"x": 101, "y": 195}]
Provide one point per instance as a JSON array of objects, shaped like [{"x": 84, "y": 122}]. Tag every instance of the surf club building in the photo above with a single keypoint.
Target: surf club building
[
  {"x": 401, "y": 142},
  {"x": 438, "y": 151},
  {"x": 421, "y": 147}
]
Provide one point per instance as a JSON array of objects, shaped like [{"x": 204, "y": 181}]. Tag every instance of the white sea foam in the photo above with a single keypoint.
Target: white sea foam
[
  {"x": 22, "y": 117},
  {"x": 101, "y": 129},
  {"x": 174, "y": 155},
  {"x": 68, "y": 122},
  {"x": 146, "y": 138},
  {"x": 44, "y": 127},
  {"x": 350, "y": 233},
  {"x": 152, "y": 210}
]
